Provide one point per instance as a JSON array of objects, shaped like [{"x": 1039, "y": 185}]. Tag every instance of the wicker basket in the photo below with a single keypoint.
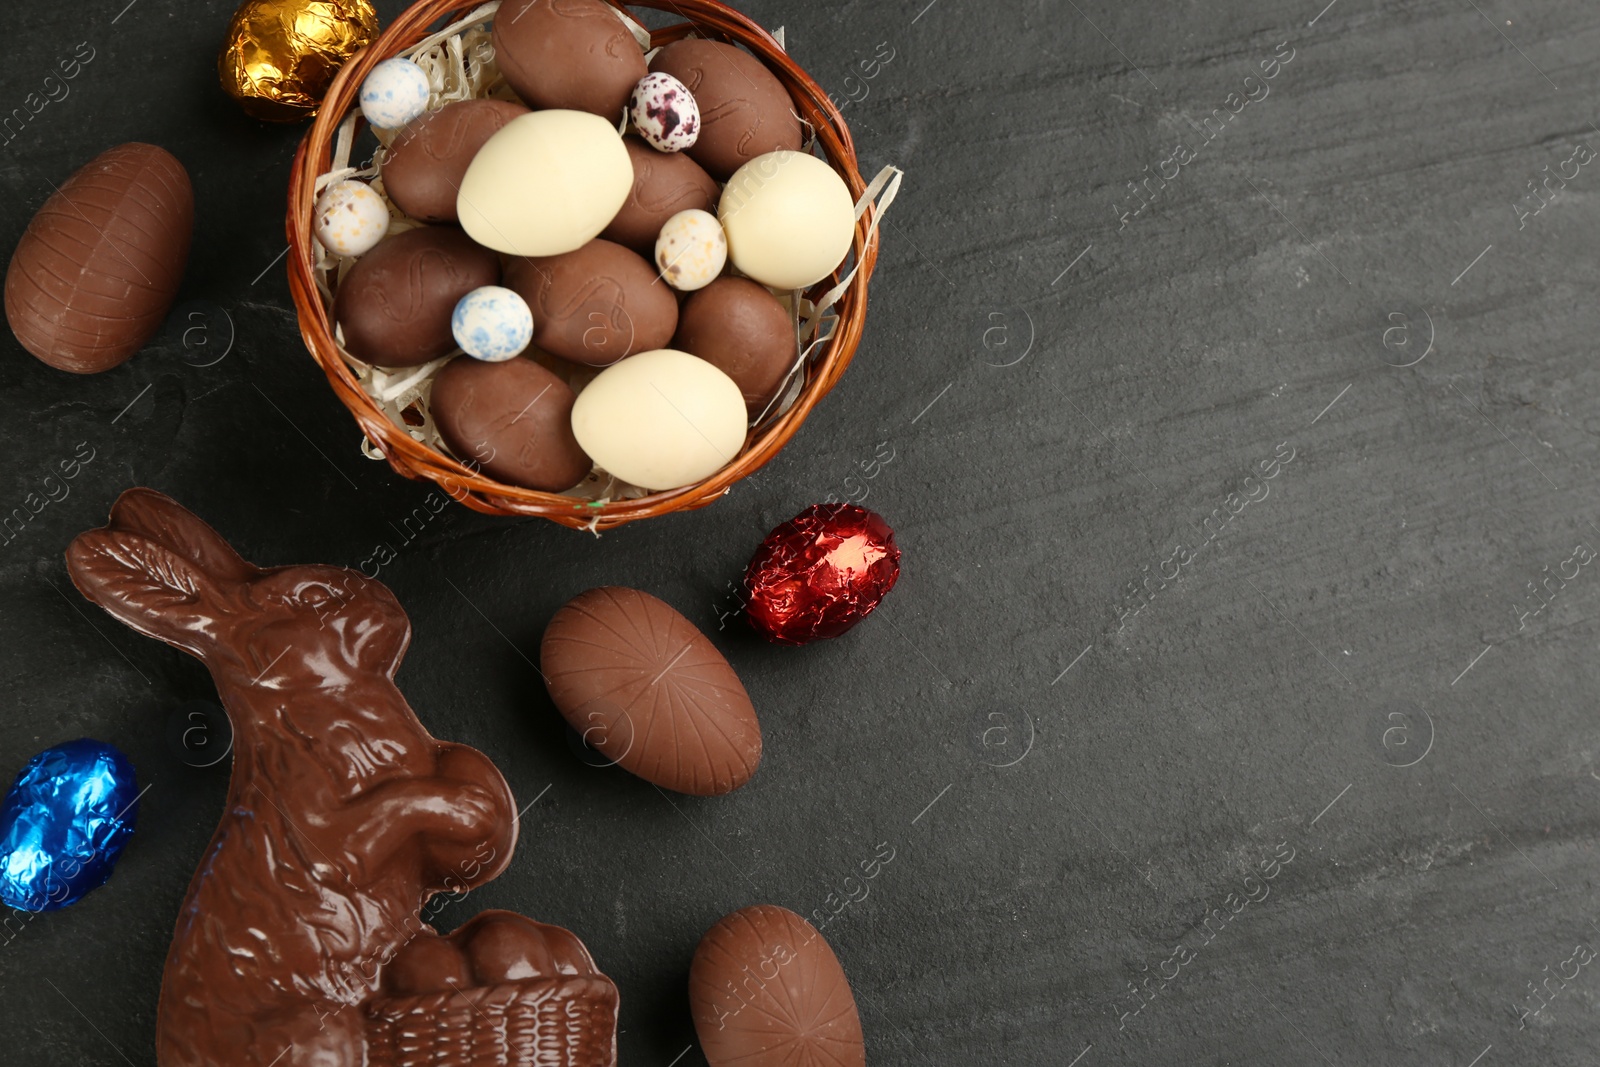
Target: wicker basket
[
  {"x": 541, "y": 1022},
  {"x": 417, "y": 460}
]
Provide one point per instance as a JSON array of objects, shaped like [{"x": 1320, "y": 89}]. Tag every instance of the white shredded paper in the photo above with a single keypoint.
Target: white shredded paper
[{"x": 460, "y": 65}]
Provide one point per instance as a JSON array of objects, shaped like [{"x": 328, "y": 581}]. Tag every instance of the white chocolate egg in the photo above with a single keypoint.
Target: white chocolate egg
[
  {"x": 692, "y": 250},
  {"x": 661, "y": 419},
  {"x": 493, "y": 324},
  {"x": 349, "y": 218},
  {"x": 546, "y": 183},
  {"x": 664, "y": 112},
  {"x": 394, "y": 93},
  {"x": 789, "y": 219}
]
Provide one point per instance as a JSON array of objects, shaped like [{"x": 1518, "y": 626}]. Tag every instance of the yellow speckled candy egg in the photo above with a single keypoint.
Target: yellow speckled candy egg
[
  {"x": 789, "y": 218},
  {"x": 660, "y": 419},
  {"x": 350, "y": 219},
  {"x": 691, "y": 250},
  {"x": 545, "y": 184}
]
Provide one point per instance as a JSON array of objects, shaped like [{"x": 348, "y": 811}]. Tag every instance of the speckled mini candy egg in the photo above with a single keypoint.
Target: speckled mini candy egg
[
  {"x": 493, "y": 324},
  {"x": 350, "y": 219},
  {"x": 394, "y": 93},
  {"x": 664, "y": 112},
  {"x": 691, "y": 250}
]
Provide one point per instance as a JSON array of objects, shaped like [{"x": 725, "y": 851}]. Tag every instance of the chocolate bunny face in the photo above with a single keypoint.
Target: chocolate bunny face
[
  {"x": 170, "y": 576},
  {"x": 344, "y": 814},
  {"x": 361, "y": 629}
]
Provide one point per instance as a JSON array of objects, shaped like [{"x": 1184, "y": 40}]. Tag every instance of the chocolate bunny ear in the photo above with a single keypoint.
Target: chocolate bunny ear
[
  {"x": 166, "y": 522},
  {"x": 173, "y": 589}
]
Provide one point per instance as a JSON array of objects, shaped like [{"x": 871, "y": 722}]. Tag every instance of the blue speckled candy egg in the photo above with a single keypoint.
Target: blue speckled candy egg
[
  {"x": 394, "y": 93},
  {"x": 664, "y": 112},
  {"x": 492, "y": 324},
  {"x": 63, "y": 823}
]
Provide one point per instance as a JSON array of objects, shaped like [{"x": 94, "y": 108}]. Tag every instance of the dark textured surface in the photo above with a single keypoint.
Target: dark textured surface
[{"x": 1064, "y": 404}]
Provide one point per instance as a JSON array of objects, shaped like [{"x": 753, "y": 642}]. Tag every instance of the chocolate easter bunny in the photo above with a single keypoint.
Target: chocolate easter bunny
[{"x": 344, "y": 816}]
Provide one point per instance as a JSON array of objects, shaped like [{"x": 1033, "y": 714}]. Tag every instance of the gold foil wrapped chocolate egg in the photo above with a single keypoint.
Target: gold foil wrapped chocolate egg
[{"x": 280, "y": 56}]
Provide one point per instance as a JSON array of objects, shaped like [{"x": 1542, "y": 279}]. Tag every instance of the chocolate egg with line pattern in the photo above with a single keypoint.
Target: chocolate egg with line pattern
[
  {"x": 766, "y": 990},
  {"x": 650, "y": 692},
  {"x": 99, "y": 267}
]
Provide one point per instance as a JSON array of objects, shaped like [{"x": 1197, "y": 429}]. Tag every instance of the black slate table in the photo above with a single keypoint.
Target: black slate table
[{"x": 1178, "y": 762}]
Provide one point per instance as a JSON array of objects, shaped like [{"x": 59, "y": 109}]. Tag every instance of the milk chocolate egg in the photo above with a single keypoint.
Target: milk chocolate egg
[
  {"x": 503, "y": 946},
  {"x": 513, "y": 420},
  {"x": 548, "y": 182},
  {"x": 745, "y": 111},
  {"x": 423, "y": 167},
  {"x": 663, "y": 185},
  {"x": 427, "y": 964},
  {"x": 742, "y": 330},
  {"x": 99, "y": 266},
  {"x": 650, "y": 692},
  {"x": 395, "y": 305},
  {"x": 766, "y": 990},
  {"x": 661, "y": 419},
  {"x": 597, "y": 305},
  {"x": 573, "y": 54},
  {"x": 789, "y": 219}
]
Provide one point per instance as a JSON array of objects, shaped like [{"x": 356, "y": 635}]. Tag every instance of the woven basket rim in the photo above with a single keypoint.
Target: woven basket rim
[{"x": 417, "y": 461}]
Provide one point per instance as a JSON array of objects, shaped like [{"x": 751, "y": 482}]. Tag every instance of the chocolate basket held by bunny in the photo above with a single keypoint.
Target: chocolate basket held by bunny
[{"x": 300, "y": 942}]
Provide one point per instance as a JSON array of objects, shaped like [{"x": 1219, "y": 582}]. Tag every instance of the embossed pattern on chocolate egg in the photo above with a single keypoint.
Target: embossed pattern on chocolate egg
[
  {"x": 99, "y": 266},
  {"x": 741, "y": 329},
  {"x": 766, "y": 990},
  {"x": 597, "y": 305},
  {"x": 424, "y": 166},
  {"x": 663, "y": 185},
  {"x": 745, "y": 111},
  {"x": 395, "y": 304},
  {"x": 513, "y": 420},
  {"x": 568, "y": 54},
  {"x": 650, "y": 692}
]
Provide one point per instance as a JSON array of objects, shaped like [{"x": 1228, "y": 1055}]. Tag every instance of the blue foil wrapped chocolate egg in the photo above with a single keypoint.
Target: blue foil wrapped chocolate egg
[{"x": 63, "y": 824}]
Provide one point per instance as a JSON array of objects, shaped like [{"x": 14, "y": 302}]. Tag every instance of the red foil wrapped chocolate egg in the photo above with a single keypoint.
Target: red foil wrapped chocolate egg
[{"x": 820, "y": 573}]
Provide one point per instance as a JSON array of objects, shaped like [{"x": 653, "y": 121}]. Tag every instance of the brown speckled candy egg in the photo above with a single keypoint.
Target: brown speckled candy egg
[
  {"x": 765, "y": 990},
  {"x": 597, "y": 305},
  {"x": 692, "y": 250},
  {"x": 664, "y": 112},
  {"x": 663, "y": 184},
  {"x": 745, "y": 111}
]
